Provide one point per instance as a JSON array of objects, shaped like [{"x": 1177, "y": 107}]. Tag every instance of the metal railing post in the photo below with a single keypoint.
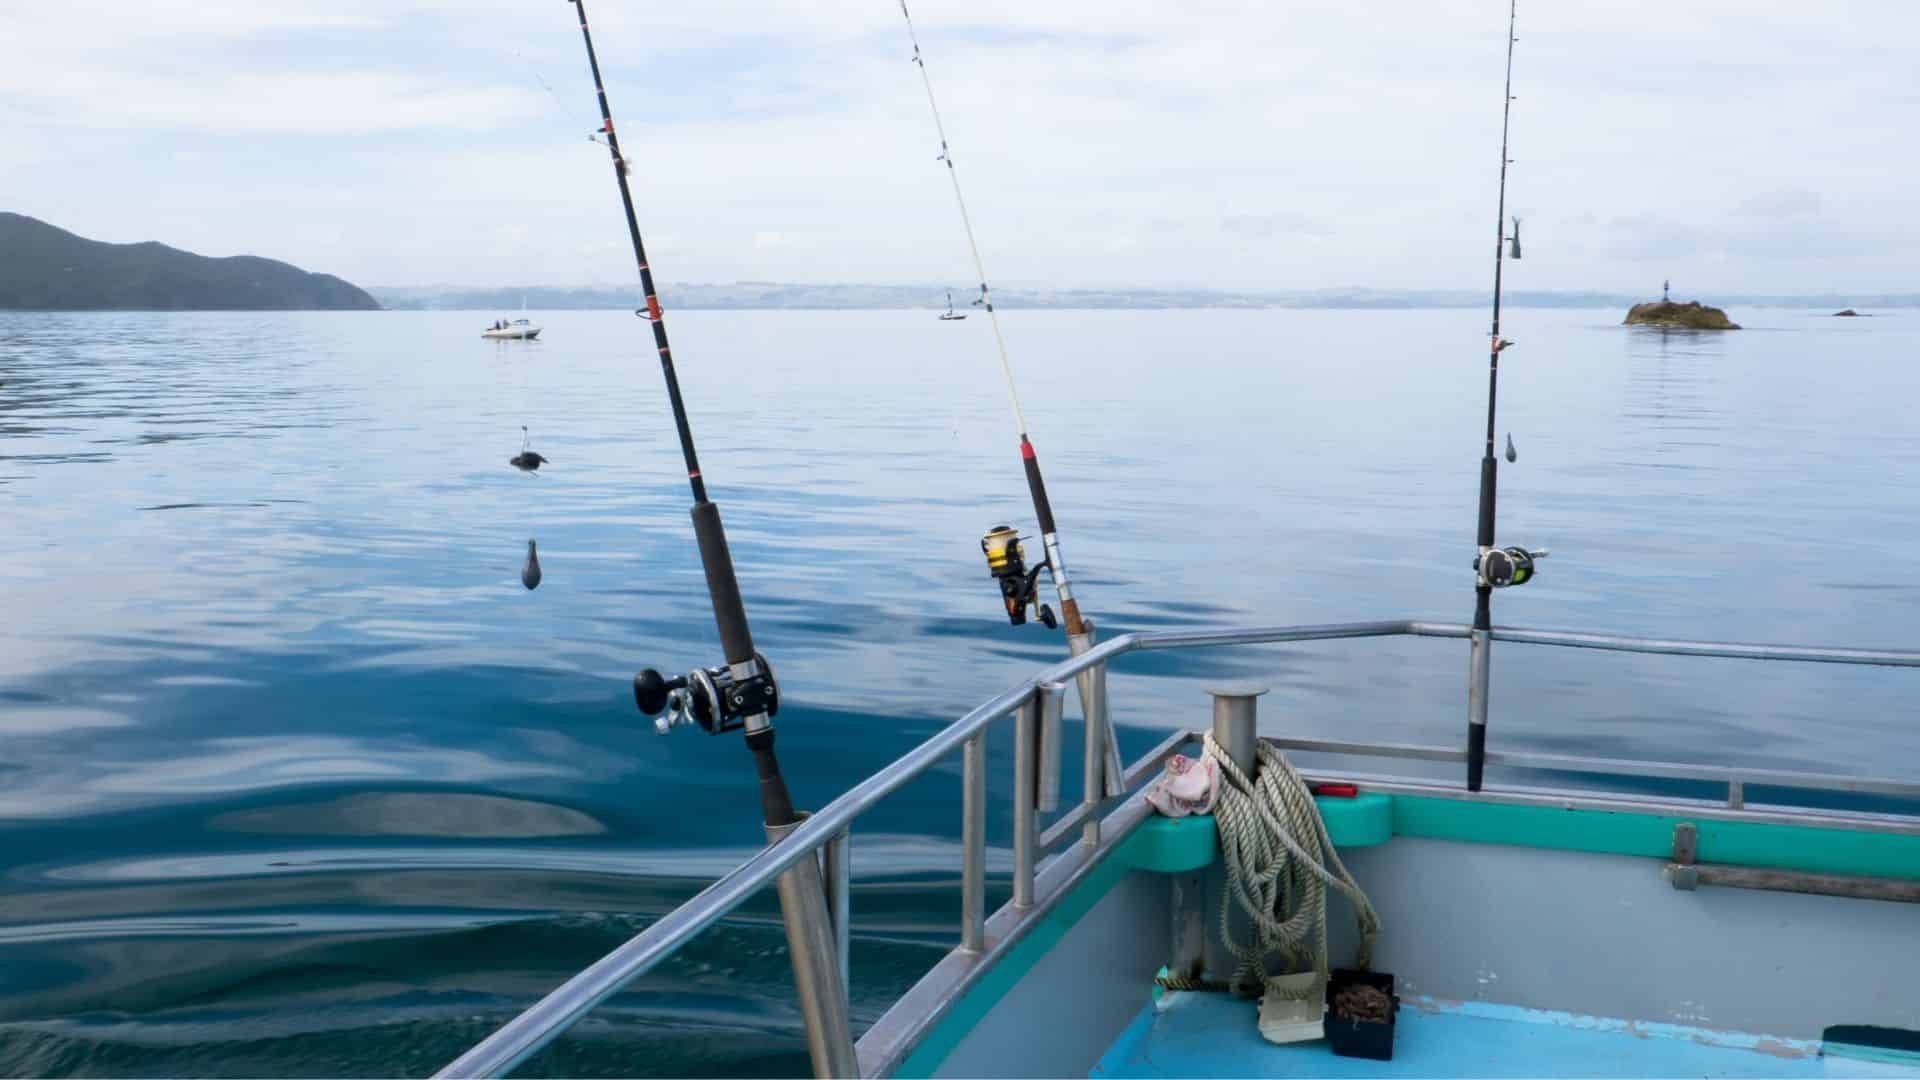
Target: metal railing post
[
  {"x": 973, "y": 845},
  {"x": 1046, "y": 798},
  {"x": 837, "y": 865},
  {"x": 816, "y": 970},
  {"x": 1235, "y": 726},
  {"x": 1026, "y": 787}
]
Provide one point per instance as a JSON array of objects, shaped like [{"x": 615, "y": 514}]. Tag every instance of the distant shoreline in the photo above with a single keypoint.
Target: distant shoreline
[
  {"x": 1811, "y": 307},
  {"x": 756, "y": 296}
]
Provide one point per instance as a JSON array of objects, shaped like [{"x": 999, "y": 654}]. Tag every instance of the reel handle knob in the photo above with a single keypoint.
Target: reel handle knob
[{"x": 650, "y": 690}]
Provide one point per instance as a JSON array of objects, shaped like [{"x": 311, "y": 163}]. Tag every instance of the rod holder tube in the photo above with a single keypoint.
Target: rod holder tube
[
  {"x": 1235, "y": 723},
  {"x": 1092, "y": 684},
  {"x": 1047, "y": 789},
  {"x": 1480, "y": 670},
  {"x": 837, "y": 868},
  {"x": 816, "y": 970},
  {"x": 1026, "y": 731},
  {"x": 1094, "y": 774},
  {"x": 973, "y": 844}
]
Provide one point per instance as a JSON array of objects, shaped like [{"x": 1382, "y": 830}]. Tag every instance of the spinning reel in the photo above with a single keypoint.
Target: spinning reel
[
  {"x": 1501, "y": 567},
  {"x": 714, "y": 698},
  {"x": 1007, "y": 562}
]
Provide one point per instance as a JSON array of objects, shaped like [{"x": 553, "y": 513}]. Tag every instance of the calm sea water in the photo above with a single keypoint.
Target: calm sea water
[{"x": 295, "y": 778}]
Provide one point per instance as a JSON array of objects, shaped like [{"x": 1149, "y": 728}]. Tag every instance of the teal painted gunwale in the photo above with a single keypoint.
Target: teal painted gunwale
[{"x": 1806, "y": 848}]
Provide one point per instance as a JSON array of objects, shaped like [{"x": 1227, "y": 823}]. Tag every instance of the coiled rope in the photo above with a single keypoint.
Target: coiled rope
[{"x": 1279, "y": 863}]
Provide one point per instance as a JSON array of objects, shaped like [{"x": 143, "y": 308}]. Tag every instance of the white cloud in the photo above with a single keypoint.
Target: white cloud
[{"x": 1236, "y": 145}]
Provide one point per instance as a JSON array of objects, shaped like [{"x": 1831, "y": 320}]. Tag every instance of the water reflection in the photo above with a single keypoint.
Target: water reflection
[
  {"x": 296, "y": 776},
  {"x": 1673, "y": 383}
]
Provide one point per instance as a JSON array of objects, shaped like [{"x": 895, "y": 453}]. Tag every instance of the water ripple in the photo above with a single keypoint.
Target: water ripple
[{"x": 300, "y": 780}]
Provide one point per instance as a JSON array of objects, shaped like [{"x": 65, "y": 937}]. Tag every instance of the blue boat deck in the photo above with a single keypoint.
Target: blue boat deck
[{"x": 1202, "y": 1034}]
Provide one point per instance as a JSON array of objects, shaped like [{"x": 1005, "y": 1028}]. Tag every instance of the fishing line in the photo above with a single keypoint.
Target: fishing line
[
  {"x": 1001, "y": 544},
  {"x": 527, "y": 64}
]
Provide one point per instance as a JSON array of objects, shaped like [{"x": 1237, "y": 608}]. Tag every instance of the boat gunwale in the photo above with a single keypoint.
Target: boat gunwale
[
  {"x": 554, "y": 1013},
  {"x": 922, "y": 1027}
]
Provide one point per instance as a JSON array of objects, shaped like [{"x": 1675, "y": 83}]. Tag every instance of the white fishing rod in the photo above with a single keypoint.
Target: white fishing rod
[{"x": 1005, "y": 557}]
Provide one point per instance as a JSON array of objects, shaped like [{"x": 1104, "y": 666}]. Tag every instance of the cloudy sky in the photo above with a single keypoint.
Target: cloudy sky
[{"x": 1732, "y": 145}]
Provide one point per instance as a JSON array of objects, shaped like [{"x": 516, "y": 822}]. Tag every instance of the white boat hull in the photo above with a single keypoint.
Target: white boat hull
[{"x": 512, "y": 333}]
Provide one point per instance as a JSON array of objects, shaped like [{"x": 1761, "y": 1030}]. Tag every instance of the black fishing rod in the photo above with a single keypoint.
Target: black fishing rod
[
  {"x": 1494, "y": 568},
  {"x": 740, "y": 694},
  {"x": 1006, "y": 558}
]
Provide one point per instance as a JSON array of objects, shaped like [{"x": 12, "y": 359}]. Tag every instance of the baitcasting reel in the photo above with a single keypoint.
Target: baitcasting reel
[
  {"x": 1007, "y": 561},
  {"x": 1501, "y": 567},
  {"x": 711, "y": 697}
]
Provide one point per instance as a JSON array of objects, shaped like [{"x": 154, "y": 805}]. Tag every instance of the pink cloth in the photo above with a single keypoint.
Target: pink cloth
[{"x": 1188, "y": 786}]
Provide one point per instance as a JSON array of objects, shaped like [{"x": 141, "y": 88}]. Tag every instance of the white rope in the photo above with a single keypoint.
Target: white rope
[
  {"x": 986, "y": 298},
  {"x": 1279, "y": 864}
]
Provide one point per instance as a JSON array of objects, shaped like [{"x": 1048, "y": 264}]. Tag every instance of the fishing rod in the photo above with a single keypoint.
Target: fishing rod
[
  {"x": 741, "y": 694},
  {"x": 1006, "y": 558},
  {"x": 1494, "y": 568}
]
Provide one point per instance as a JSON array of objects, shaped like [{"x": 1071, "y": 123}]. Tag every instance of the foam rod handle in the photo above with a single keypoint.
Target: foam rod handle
[
  {"x": 776, "y": 805},
  {"x": 729, "y": 612},
  {"x": 1476, "y": 754}
]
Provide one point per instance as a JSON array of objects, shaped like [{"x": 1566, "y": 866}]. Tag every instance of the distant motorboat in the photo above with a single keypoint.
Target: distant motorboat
[
  {"x": 952, "y": 315},
  {"x": 517, "y": 330}
]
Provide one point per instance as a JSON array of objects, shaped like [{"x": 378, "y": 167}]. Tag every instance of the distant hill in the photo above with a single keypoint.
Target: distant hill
[{"x": 43, "y": 268}]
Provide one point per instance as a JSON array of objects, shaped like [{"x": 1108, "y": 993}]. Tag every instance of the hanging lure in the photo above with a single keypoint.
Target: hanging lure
[
  {"x": 526, "y": 460},
  {"x": 1001, "y": 544},
  {"x": 530, "y": 572},
  {"x": 1513, "y": 245},
  {"x": 1512, "y": 454}
]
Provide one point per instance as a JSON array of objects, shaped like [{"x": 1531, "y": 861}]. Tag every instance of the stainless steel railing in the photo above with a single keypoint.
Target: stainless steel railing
[{"x": 828, "y": 829}]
